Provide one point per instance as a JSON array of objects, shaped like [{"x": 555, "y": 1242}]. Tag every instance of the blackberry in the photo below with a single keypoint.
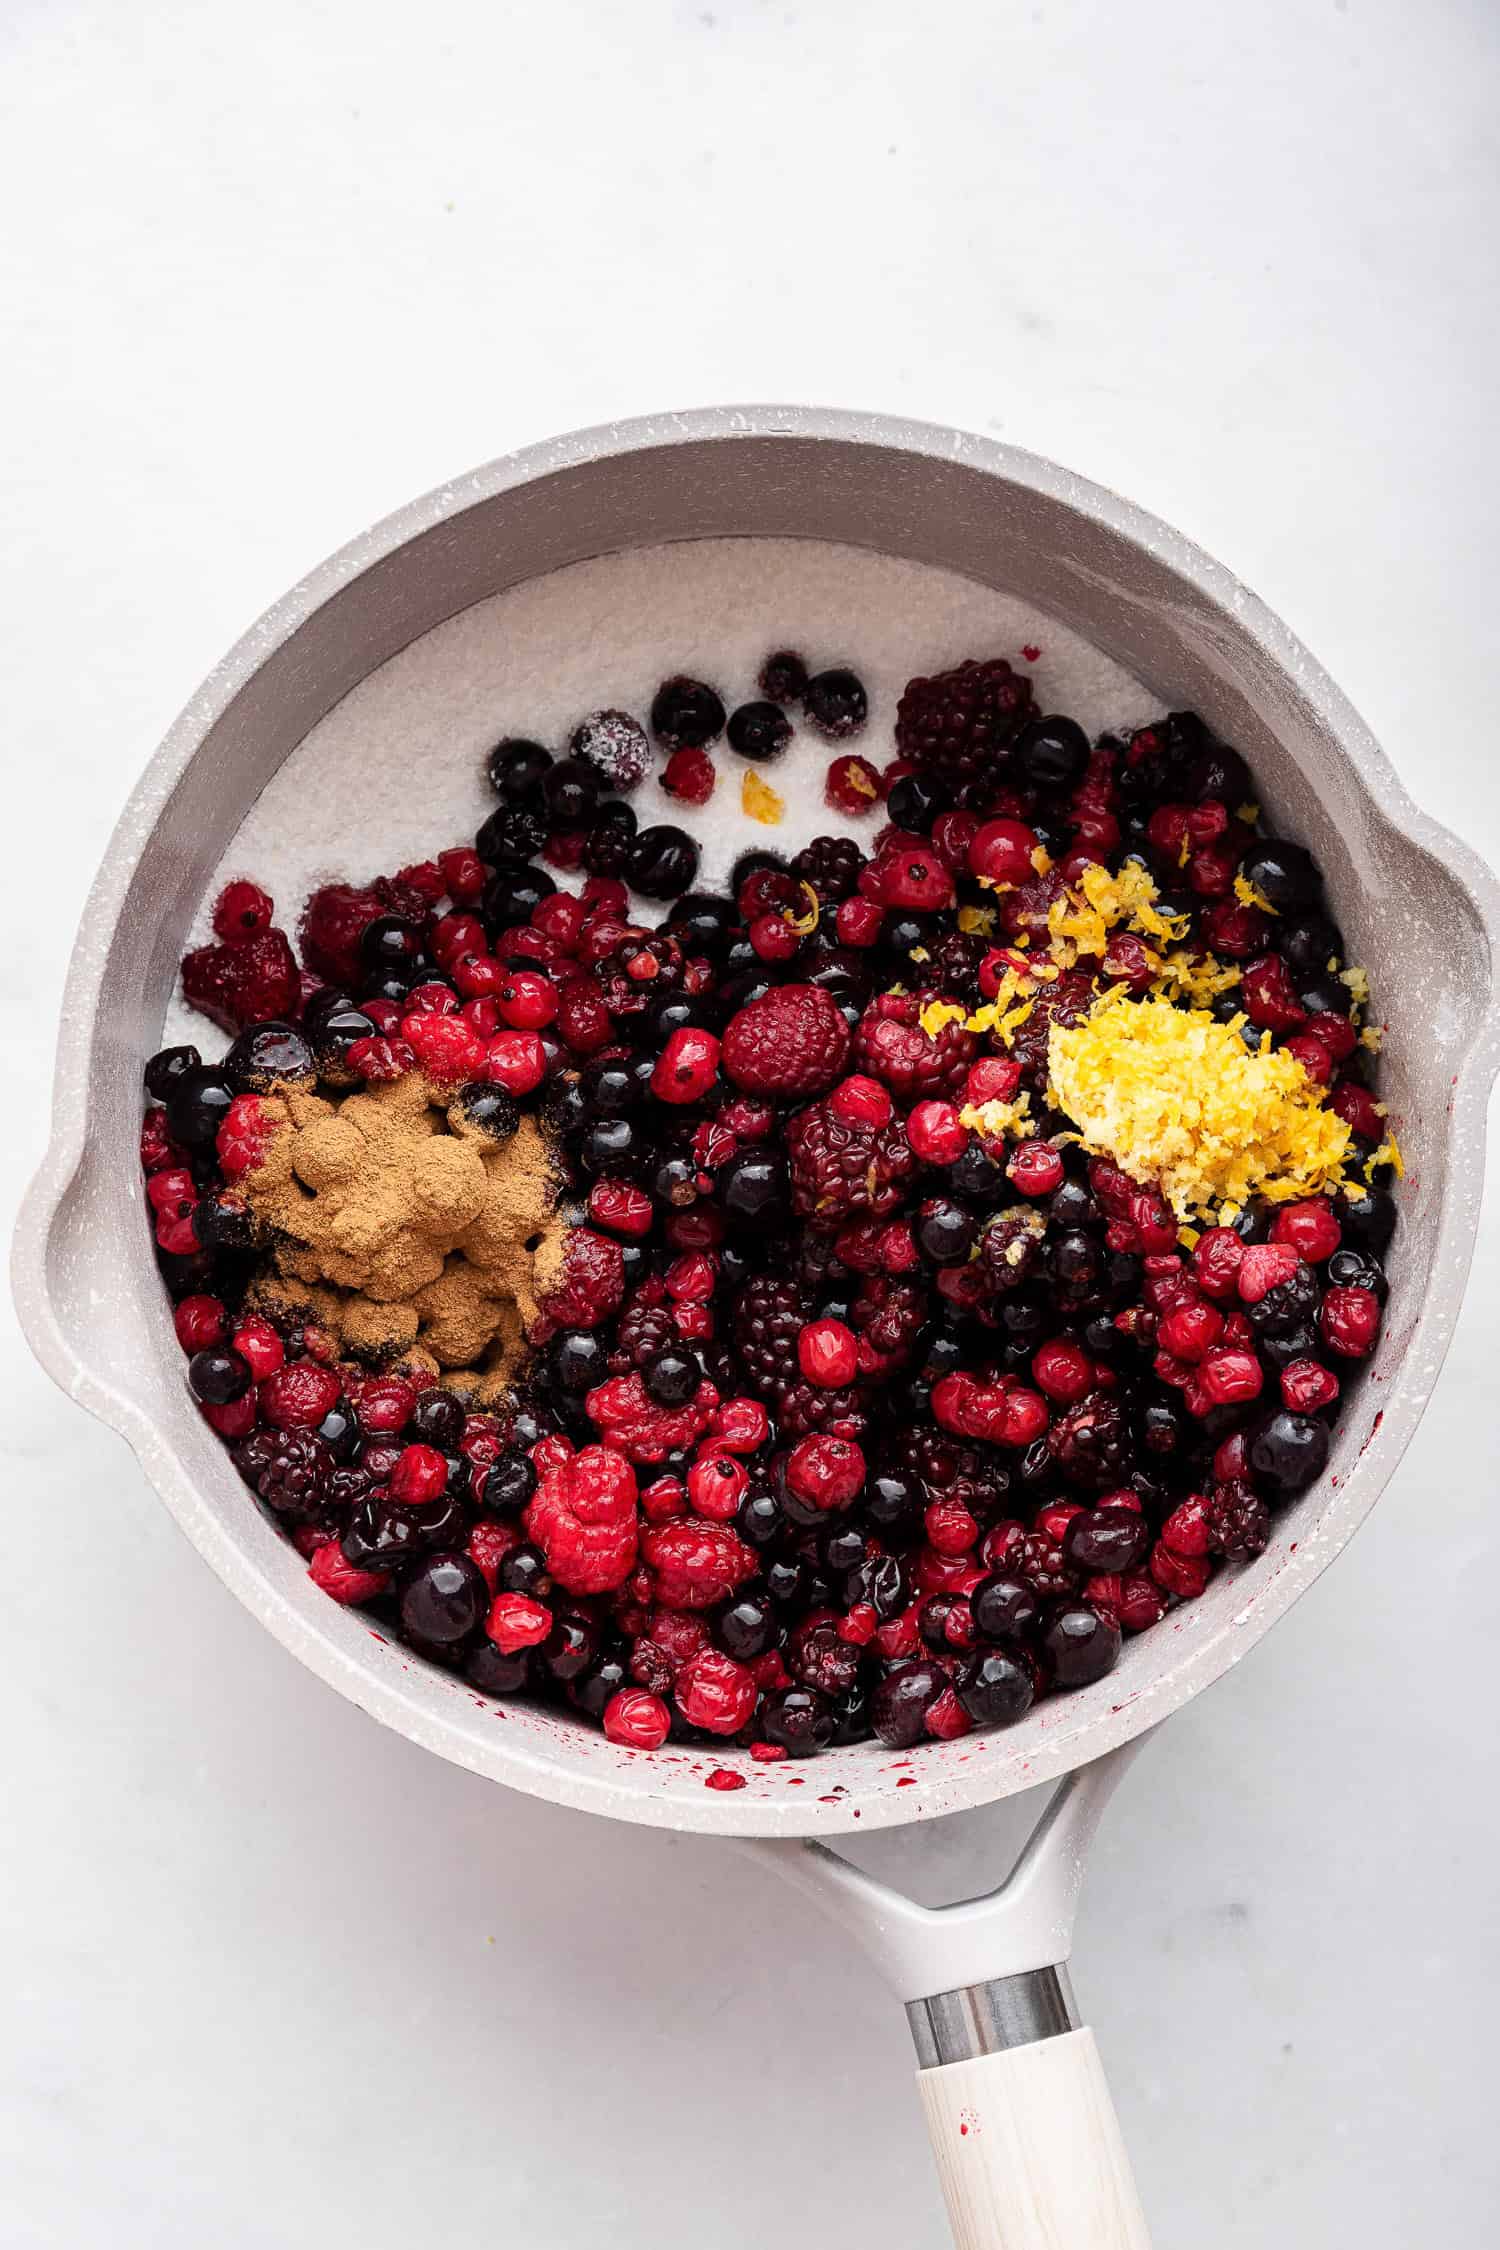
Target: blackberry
[
  {"x": 839, "y": 1169},
  {"x": 890, "y": 1314},
  {"x": 1091, "y": 1443},
  {"x": 959, "y": 725},
  {"x": 685, "y": 714},
  {"x": 1239, "y": 1522},
  {"x": 810, "y": 1410},
  {"x": 643, "y": 967},
  {"x": 615, "y": 745},
  {"x": 835, "y": 703},
  {"x": 947, "y": 1468},
  {"x": 783, "y": 676},
  {"x": 1042, "y": 1564},
  {"x": 294, "y": 1480},
  {"x": 955, "y": 965},
  {"x": 643, "y": 1333},
  {"x": 769, "y": 1315},
  {"x": 1066, "y": 1001},
  {"x": 830, "y": 866},
  {"x": 607, "y": 841},
  {"x": 1011, "y": 1245}
]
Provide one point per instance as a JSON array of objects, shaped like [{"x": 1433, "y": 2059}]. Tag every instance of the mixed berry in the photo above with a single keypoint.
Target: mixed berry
[{"x": 875, "y": 1393}]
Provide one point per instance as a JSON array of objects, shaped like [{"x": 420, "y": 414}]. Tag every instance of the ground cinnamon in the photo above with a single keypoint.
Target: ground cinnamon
[{"x": 404, "y": 1228}]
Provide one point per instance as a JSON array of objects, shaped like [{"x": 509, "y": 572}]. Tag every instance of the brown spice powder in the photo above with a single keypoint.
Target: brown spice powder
[{"x": 400, "y": 1226}]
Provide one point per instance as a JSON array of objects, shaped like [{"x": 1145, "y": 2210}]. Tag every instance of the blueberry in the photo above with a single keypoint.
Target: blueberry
[
  {"x": 609, "y": 1147},
  {"x": 703, "y": 923},
  {"x": 835, "y": 703},
  {"x": 760, "y": 731},
  {"x": 1220, "y": 772},
  {"x": 760, "y": 1520},
  {"x": 517, "y": 768},
  {"x": 663, "y": 862},
  {"x": 496, "y": 1674},
  {"x": 438, "y": 1419},
  {"x": 945, "y": 1232},
  {"x": 1369, "y": 1220},
  {"x": 799, "y": 1719},
  {"x": 524, "y": 1571},
  {"x": 783, "y": 676},
  {"x": 389, "y": 944},
  {"x": 268, "y": 1052},
  {"x": 685, "y": 715},
  {"x": 747, "y": 1626},
  {"x": 1308, "y": 943},
  {"x": 165, "y": 1069},
  {"x": 512, "y": 832},
  {"x": 753, "y": 1187},
  {"x": 335, "y": 1030},
  {"x": 217, "y": 1377},
  {"x": 786, "y": 1580},
  {"x": 1005, "y": 1607},
  {"x": 490, "y": 1110},
  {"x": 513, "y": 893},
  {"x": 899, "y": 1706},
  {"x": 1103, "y": 1541},
  {"x": 571, "y": 793},
  {"x": 509, "y": 1483},
  {"x": 916, "y": 800},
  {"x": 592, "y": 1692},
  {"x": 443, "y": 1600},
  {"x": 198, "y": 1105},
  {"x": 1283, "y": 873},
  {"x": 995, "y": 1689},
  {"x": 1289, "y": 1450},
  {"x": 1323, "y": 995},
  {"x": 222, "y": 1222},
  {"x": 881, "y": 1581},
  {"x": 671, "y": 1378},
  {"x": 570, "y": 1648},
  {"x": 1353, "y": 1268},
  {"x": 1080, "y": 1644},
  {"x": 1052, "y": 753}
]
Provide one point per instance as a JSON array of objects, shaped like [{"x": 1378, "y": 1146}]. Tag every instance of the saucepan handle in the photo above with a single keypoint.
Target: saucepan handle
[{"x": 1029, "y": 2151}]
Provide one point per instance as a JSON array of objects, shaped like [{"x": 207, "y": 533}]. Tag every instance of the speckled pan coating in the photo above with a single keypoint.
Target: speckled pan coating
[{"x": 1418, "y": 908}]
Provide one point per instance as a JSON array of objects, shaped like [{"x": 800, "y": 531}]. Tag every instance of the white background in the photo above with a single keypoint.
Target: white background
[{"x": 272, "y": 1977}]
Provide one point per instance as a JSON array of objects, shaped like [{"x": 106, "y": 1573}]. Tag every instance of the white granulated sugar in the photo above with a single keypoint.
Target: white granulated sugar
[{"x": 395, "y": 772}]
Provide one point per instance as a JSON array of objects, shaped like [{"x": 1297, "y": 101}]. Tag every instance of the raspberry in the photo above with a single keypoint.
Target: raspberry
[
  {"x": 299, "y": 1396},
  {"x": 636, "y": 1719},
  {"x": 1090, "y": 1443},
  {"x": 1349, "y": 1320},
  {"x": 331, "y": 1570},
  {"x": 626, "y": 1416},
  {"x": 959, "y": 724},
  {"x": 333, "y": 922},
  {"x": 790, "y": 1042},
  {"x": 697, "y": 1564},
  {"x": 582, "y": 1517},
  {"x": 381, "y": 1061},
  {"x": 1264, "y": 1267},
  {"x": 838, "y": 1169},
  {"x": 917, "y": 1065},
  {"x": 515, "y": 1622},
  {"x": 830, "y": 866},
  {"x": 591, "y": 1284},
  {"x": 242, "y": 910},
  {"x": 446, "y": 1048},
  {"x": 689, "y": 776},
  {"x": 1239, "y": 1522},
  {"x": 715, "y": 1693},
  {"x": 244, "y": 983}
]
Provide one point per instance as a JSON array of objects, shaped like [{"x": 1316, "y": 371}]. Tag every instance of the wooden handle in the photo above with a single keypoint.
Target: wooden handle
[{"x": 1028, "y": 2149}]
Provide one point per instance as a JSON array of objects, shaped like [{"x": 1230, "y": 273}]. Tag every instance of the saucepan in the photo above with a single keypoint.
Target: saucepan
[{"x": 1020, "y": 2117}]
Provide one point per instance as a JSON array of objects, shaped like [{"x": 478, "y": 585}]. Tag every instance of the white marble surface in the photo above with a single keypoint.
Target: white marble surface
[{"x": 271, "y": 1976}]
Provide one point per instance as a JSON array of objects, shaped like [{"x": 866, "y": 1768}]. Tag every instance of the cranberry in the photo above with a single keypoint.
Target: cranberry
[
  {"x": 1190, "y": 1331},
  {"x": 827, "y": 1353},
  {"x": 716, "y": 1485},
  {"x": 637, "y": 1720},
  {"x": 688, "y": 1066},
  {"x": 1002, "y": 852},
  {"x": 1359, "y": 1109},
  {"x": 200, "y": 1323},
  {"x": 516, "y": 1061},
  {"x": 825, "y": 1472},
  {"x": 715, "y": 1692},
  {"x": 1035, "y": 1169},
  {"x": 1307, "y": 1387},
  {"x": 1349, "y": 1320},
  {"x": 858, "y": 921},
  {"x": 862, "y": 1101},
  {"x": 852, "y": 785},
  {"x": 420, "y": 1474},
  {"x": 1063, "y": 1372},
  {"x": 935, "y": 1134},
  {"x": 299, "y": 1396},
  {"x": 1311, "y": 1229}
]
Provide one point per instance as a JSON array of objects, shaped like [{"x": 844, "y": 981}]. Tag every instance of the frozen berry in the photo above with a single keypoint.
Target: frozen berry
[
  {"x": 760, "y": 731},
  {"x": 615, "y": 745},
  {"x": 662, "y": 862}
]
